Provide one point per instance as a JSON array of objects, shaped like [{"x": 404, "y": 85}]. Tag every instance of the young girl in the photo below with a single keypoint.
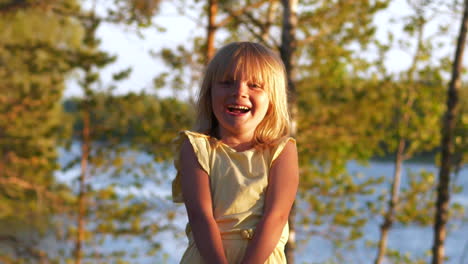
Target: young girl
[{"x": 238, "y": 173}]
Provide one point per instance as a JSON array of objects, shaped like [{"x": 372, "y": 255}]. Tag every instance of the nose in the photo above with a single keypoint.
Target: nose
[{"x": 240, "y": 89}]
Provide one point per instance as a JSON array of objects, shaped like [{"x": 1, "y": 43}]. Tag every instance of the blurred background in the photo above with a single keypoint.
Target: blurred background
[{"x": 93, "y": 92}]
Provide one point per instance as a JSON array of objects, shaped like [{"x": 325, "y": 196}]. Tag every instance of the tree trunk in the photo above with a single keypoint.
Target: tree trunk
[
  {"x": 389, "y": 217},
  {"x": 270, "y": 18},
  {"x": 392, "y": 203},
  {"x": 211, "y": 30},
  {"x": 287, "y": 49},
  {"x": 443, "y": 192},
  {"x": 82, "y": 191}
]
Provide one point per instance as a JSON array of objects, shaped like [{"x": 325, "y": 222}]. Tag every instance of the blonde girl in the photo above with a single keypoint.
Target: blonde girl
[{"x": 237, "y": 172}]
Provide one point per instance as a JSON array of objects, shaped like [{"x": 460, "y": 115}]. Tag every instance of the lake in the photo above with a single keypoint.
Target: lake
[{"x": 412, "y": 239}]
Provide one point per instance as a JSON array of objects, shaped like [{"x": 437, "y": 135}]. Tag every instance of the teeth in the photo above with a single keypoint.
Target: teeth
[{"x": 240, "y": 107}]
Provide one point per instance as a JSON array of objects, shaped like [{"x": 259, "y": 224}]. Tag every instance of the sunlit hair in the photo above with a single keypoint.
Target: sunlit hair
[{"x": 258, "y": 64}]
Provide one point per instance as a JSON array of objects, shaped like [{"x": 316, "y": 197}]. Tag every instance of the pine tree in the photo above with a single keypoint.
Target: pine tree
[{"x": 34, "y": 59}]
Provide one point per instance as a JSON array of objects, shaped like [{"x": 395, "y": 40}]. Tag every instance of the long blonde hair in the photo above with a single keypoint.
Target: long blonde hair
[{"x": 259, "y": 63}]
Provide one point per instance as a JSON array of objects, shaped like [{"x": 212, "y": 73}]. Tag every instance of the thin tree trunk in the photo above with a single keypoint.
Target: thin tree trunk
[
  {"x": 90, "y": 24},
  {"x": 270, "y": 17},
  {"x": 392, "y": 203},
  {"x": 211, "y": 30},
  {"x": 443, "y": 192},
  {"x": 389, "y": 217},
  {"x": 80, "y": 237},
  {"x": 287, "y": 49}
]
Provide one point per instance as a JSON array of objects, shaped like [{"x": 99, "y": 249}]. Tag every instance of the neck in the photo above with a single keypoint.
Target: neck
[
  {"x": 239, "y": 142},
  {"x": 238, "y": 146}
]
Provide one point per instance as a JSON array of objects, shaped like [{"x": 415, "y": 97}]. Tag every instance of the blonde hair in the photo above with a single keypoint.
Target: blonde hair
[{"x": 259, "y": 64}]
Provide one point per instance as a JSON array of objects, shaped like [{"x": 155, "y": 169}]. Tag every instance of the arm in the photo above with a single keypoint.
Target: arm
[
  {"x": 197, "y": 197},
  {"x": 281, "y": 191}
]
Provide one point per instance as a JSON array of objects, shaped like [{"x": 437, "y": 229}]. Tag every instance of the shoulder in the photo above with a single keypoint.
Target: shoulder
[
  {"x": 286, "y": 164},
  {"x": 189, "y": 155},
  {"x": 191, "y": 136},
  {"x": 284, "y": 146},
  {"x": 290, "y": 145},
  {"x": 198, "y": 141},
  {"x": 194, "y": 134},
  {"x": 190, "y": 159},
  {"x": 194, "y": 146},
  {"x": 286, "y": 151}
]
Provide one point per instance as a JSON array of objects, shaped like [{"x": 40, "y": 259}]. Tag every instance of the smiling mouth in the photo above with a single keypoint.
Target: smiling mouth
[{"x": 238, "y": 109}]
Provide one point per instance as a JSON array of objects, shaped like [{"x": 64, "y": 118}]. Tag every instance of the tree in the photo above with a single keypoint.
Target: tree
[
  {"x": 211, "y": 29},
  {"x": 443, "y": 192},
  {"x": 34, "y": 60},
  {"x": 106, "y": 207},
  {"x": 130, "y": 140},
  {"x": 89, "y": 59},
  {"x": 287, "y": 50},
  {"x": 339, "y": 113},
  {"x": 414, "y": 113}
]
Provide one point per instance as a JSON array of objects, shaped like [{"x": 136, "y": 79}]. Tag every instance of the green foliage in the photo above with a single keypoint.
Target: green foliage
[
  {"x": 350, "y": 109},
  {"x": 417, "y": 199},
  {"x": 42, "y": 41},
  {"x": 128, "y": 12},
  {"x": 415, "y": 108},
  {"x": 396, "y": 256},
  {"x": 461, "y": 130},
  {"x": 340, "y": 119},
  {"x": 141, "y": 121},
  {"x": 120, "y": 130},
  {"x": 185, "y": 66},
  {"x": 34, "y": 60}
]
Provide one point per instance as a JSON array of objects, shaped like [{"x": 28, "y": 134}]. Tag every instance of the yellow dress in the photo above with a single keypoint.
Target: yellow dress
[{"x": 238, "y": 182}]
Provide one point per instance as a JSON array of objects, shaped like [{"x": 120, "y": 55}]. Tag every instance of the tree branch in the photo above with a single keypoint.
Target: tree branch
[
  {"x": 27, "y": 185},
  {"x": 236, "y": 13}
]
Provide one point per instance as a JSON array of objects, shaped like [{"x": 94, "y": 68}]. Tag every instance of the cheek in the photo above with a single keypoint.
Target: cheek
[
  {"x": 216, "y": 105},
  {"x": 265, "y": 102},
  {"x": 214, "y": 98}
]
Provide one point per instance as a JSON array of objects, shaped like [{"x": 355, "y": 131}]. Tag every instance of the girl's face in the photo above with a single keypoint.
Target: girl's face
[{"x": 239, "y": 106}]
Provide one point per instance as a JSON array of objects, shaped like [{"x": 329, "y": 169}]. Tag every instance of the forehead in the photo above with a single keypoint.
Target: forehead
[{"x": 245, "y": 67}]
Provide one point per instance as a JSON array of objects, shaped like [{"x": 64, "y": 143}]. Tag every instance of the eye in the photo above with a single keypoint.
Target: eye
[
  {"x": 255, "y": 85},
  {"x": 225, "y": 82}
]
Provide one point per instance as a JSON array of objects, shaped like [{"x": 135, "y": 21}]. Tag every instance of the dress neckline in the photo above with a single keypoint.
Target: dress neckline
[
  {"x": 233, "y": 149},
  {"x": 226, "y": 146}
]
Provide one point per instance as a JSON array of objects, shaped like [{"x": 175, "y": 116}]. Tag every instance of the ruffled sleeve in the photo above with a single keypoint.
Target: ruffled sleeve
[
  {"x": 279, "y": 148},
  {"x": 201, "y": 146}
]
